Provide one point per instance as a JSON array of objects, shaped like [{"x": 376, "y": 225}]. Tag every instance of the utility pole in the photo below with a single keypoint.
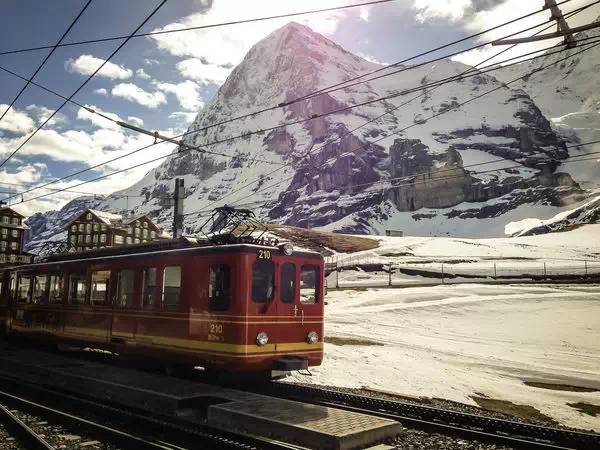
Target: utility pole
[
  {"x": 178, "y": 208},
  {"x": 562, "y": 26}
]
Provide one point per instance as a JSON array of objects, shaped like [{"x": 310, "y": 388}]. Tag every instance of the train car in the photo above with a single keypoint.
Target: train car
[{"x": 239, "y": 308}]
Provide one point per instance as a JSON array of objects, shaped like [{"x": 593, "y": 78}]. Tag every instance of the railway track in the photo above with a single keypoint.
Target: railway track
[
  {"x": 23, "y": 432},
  {"x": 174, "y": 435},
  {"x": 443, "y": 421}
]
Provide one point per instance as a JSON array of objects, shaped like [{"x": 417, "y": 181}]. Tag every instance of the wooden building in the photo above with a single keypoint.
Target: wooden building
[
  {"x": 12, "y": 234},
  {"x": 95, "y": 229}
]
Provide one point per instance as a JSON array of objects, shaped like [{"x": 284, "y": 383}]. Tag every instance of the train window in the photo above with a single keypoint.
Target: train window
[
  {"x": 125, "y": 290},
  {"x": 39, "y": 288},
  {"x": 263, "y": 274},
  {"x": 77, "y": 288},
  {"x": 149, "y": 287},
  {"x": 99, "y": 287},
  {"x": 219, "y": 283},
  {"x": 308, "y": 284},
  {"x": 171, "y": 287},
  {"x": 288, "y": 282},
  {"x": 56, "y": 289},
  {"x": 12, "y": 285},
  {"x": 23, "y": 289}
]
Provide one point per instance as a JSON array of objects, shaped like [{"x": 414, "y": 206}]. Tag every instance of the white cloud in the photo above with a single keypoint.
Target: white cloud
[
  {"x": 195, "y": 69},
  {"x": 135, "y": 121},
  {"x": 134, "y": 93},
  {"x": 182, "y": 116},
  {"x": 40, "y": 113},
  {"x": 150, "y": 62},
  {"x": 95, "y": 119},
  {"x": 453, "y": 10},
  {"x": 15, "y": 121},
  {"x": 187, "y": 93},
  {"x": 226, "y": 46},
  {"x": 140, "y": 73},
  {"x": 371, "y": 58},
  {"x": 88, "y": 64},
  {"x": 101, "y": 91}
]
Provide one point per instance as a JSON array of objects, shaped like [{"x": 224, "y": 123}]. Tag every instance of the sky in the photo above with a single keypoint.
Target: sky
[{"x": 161, "y": 82}]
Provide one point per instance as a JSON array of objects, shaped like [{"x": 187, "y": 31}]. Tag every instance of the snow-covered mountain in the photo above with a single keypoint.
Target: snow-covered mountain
[{"x": 317, "y": 173}]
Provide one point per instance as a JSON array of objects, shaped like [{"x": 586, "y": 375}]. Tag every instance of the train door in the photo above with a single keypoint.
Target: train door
[
  {"x": 262, "y": 289},
  {"x": 125, "y": 302},
  {"x": 310, "y": 299}
]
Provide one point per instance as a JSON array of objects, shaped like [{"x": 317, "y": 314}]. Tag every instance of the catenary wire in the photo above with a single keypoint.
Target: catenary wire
[
  {"x": 22, "y": 144},
  {"x": 447, "y": 110},
  {"x": 165, "y": 156},
  {"x": 259, "y": 131},
  {"x": 201, "y": 27},
  {"x": 54, "y": 47}
]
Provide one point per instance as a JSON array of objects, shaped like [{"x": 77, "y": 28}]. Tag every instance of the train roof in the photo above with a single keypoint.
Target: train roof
[{"x": 169, "y": 246}]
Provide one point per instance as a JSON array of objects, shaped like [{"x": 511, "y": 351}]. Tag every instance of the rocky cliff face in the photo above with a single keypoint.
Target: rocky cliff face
[{"x": 320, "y": 172}]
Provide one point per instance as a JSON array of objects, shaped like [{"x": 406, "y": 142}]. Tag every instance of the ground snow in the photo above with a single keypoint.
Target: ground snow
[{"x": 456, "y": 341}]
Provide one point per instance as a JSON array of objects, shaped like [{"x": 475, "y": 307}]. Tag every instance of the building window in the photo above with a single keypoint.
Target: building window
[
  {"x": 4, "y": 232},
  {"x": 15, "y": 221},
  {"x": 153, "y": 234},
  {"x": 99, "y": 287},
  {"x": 145, "y": 234},
  {"x": 96, "y": 227},
  {"x": 39, "y": 288},
  {"x": 219, "y": 287},
  {"x": 14, "y": 245},
  {"x": 263, "y": 274},
  {"x": 77, "y": 288},
  {"x": 137, "y": 223},
  {"x": 128, "y": 240},
  {"x": 95, "y": 239},
  {"x": 118, "y": 239},
  {"x": 73, "y": 228},
  {"x": 88, "y": 239},
  {"x": 145, "y": 224},
  {"x": 55, "y": 293},
  {"x": 73, "y": 238},
  {"x": 23, "y": 289},
  {"x": 88, "y": 228},
  {"x": 3, "y": 245},
  {"x": 88, "y": 216},
  {"x": 103, "y": 226},
  {"x": 149, "y": 288},
  {"x": 308, "y": 284},
  {"x": 288, "y": 283},
  {"x": 80, "y": 238},
  {"x": 81, "y": 228},
  {"x": 137, "y": 231},
  {"x": 15, "y": 233},
  {"x": 171, "y": 287},
  {"x": 125, "y": 288},
  {"x": 5, "y": 219},
  {"x": 130, "y": 229},
  {"x": 103, "y": 238},
  {"x": 137, "y": 240}
]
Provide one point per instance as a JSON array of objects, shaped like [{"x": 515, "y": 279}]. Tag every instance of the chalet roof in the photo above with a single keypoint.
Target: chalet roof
[
  {"x": 106, "y": 217},
  {"x": 8, "y": 208}
]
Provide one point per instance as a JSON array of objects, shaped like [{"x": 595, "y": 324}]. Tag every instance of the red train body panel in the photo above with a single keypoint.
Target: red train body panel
[{"x": 196, "y": 305}]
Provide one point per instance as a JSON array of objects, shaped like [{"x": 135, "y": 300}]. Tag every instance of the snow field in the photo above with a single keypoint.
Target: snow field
[{"x": 457, "y": 341}]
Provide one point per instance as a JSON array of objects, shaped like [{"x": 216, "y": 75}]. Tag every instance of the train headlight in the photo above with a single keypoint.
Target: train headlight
[
  {"x": 287, "y": 248},
  {"x": 262, "y": 338},
  {"x": 312, "y": 337}
]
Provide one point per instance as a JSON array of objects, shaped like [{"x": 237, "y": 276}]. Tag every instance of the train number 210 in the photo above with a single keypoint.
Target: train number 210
[{"x": 264, "y": 254}]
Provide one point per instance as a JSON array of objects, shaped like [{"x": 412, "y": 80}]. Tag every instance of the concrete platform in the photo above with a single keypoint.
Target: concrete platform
[
  {"x": 310, "y": 425},
  {"x": 196, "y": 402}
]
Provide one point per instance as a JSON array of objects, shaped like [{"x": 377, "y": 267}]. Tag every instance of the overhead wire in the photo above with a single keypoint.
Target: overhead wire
[
  {"x": 310, "y": 118},
  {"x": 54, "y": 47},
  {"x": 448, "y": 110},
  {"x": 201, "y": 27},
  {"x": 157, "y": 159},
  {"x": 22, "y": 144}
]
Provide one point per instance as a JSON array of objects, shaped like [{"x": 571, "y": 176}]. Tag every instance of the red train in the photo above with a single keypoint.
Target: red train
[{"x": 239, "y": 307}]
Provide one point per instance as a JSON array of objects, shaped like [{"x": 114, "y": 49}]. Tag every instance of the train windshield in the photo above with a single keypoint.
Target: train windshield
[{"x": 263, "y": 274}]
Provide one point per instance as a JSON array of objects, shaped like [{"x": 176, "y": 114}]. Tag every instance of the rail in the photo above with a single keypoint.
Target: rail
[
  {"x": 181, "y": 434},
  {"x": 470, "y": 426},
  {"x": 32, "y": 440}
]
